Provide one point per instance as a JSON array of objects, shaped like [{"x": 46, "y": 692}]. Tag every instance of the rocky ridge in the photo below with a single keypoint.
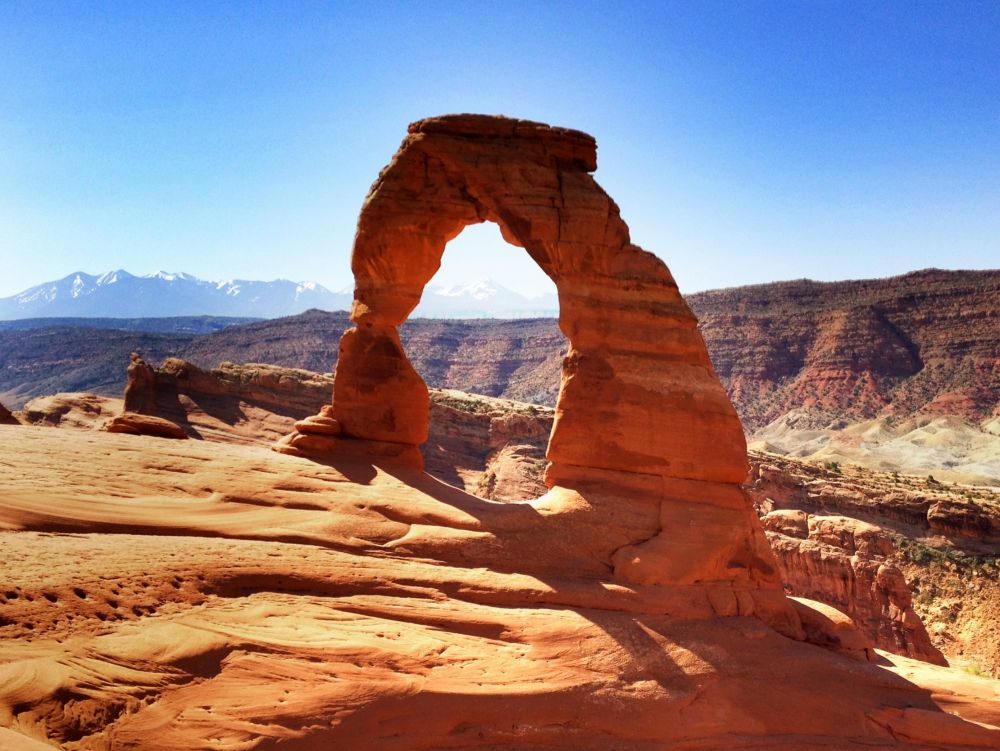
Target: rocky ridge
[
  {"x": 940, "y": 537},
  {"x": 926, "y": 342},
  {"x": 828, "y": 354}
]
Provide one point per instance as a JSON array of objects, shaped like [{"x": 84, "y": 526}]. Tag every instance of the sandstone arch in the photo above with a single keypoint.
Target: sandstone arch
[
  {"x": 638, "y": 394},
  {"x": 646, "y": 454}
]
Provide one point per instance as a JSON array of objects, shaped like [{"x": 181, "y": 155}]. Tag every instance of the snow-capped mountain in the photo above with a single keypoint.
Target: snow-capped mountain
[
  {"x": 119, "y": 294},
  {"x": 483, "y": 299}
]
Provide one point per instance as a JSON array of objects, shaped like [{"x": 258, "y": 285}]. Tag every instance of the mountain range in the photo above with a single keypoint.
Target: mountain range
[
  {"x": 904, "y": 370},
  {"x": 119, "y": 294}
]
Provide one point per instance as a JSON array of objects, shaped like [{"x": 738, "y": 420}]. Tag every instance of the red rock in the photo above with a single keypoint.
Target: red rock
[
  {"x": 923, "y": 343},
  {"x": 646, "y": 451},
  {"x": 843, "y": 562},
  {"x": 129, "y": 422},
  {"x": 140, "y": 397},
  {"x": 70, "y": 410},
  {"x": 323, "y": 423},
  {"x": 825, "y": 626}
]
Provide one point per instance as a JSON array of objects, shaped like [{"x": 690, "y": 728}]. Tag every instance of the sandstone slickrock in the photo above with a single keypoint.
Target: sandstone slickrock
[
  {"x": 160, "y": 594},
  {"x": 495, "y": 449},
  {"x": 645, "y": 445},
  {"x": 70, "y": 410},
  {"x": 130, "y": 422}
]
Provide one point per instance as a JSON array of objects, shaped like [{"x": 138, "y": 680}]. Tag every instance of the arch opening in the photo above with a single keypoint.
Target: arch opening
[
  {"x": 644, "y": 442},
  {"x": 491, "y": 417},
  {"x": 638, "y": 401}
]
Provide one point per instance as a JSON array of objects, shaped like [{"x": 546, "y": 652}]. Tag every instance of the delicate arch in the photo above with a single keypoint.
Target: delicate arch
[{"x": 638, "y": 394}]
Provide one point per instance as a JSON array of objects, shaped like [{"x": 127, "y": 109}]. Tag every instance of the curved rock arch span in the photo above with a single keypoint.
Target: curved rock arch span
[
  {"x": 638, "y": 393},
  {"x": 646, "y": 454}
]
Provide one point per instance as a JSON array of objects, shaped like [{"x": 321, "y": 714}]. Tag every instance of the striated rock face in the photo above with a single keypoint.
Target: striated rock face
[
  {"x": 934, "y": 536},
  {"x": 493, "y": 448},
  {"x": 966, "y": 519},
  {"x": 844, "y": 562},
  {"x": 646, "y": 451},
  {"x": 246, "y": 403},
  {"x": 923, "y": 342}
]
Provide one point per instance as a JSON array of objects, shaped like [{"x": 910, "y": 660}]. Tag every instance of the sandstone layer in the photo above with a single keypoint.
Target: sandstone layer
[
  {"x": 493, "y": 448},
  {"x": 846, "y": 563},
  {"x": 70, "y": 410},
  {"x": 6, "y": 417},
  {"x": 195, "y": 595},
  {"x": 939, "y": 536},
  {"x": 927, "y": 342}
]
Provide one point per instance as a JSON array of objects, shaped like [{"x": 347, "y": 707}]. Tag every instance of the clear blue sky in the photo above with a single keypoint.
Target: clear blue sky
[{"x": 744, "y": 141}]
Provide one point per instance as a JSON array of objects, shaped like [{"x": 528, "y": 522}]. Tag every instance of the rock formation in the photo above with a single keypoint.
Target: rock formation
[
  {"x": 6, "y": 417},
  {"x": 136, "y": 424},
  {"x": 493, "y": 448},
  {"x": 249, "y": 402},
  {"x": 845, "y": 563},
  {"x": 140, "y": 393},
  {"x": 70, "y": 410},
  {"x": 940, "y": 538},
  {"x": 964, "y": 517},
  {"x": 644, "y": 436},
  {"x": 926, "y": 342}
]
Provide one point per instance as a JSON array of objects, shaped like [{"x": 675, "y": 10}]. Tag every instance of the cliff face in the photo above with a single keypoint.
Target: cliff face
[
  {"x": 846, "y": 563},
  {"x": 895, "y": 552},
  {"x": 924, "y": 342}
]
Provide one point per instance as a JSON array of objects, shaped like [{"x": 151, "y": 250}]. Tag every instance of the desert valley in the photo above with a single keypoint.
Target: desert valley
[{"x": 271, "y": 534}]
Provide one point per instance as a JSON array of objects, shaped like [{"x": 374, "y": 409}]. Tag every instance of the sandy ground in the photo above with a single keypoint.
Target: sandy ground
[{"x": 162, "y": 594}]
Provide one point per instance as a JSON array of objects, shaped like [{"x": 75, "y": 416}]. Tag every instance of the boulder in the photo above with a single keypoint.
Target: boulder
[{"x": 129, "y": 422}]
